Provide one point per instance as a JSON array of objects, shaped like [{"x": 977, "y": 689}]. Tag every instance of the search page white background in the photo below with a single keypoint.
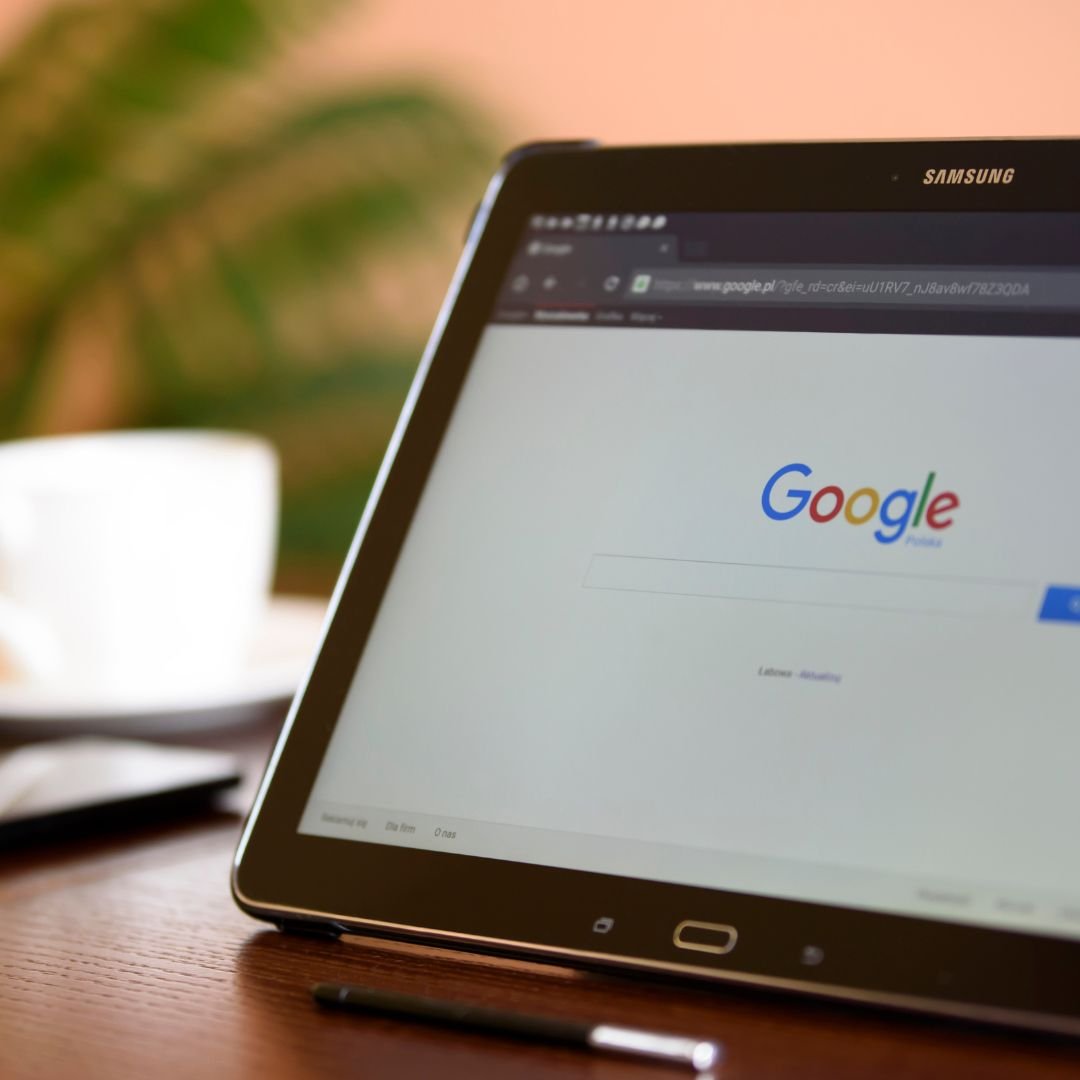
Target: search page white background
[{"x": 930, "y": 768}]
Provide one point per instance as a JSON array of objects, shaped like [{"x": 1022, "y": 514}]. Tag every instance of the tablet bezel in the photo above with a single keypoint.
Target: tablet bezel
[{"x": 282, "y": 875}]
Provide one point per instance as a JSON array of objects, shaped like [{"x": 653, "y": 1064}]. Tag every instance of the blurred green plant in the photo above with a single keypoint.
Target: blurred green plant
[{"x": 190, "y": 235}]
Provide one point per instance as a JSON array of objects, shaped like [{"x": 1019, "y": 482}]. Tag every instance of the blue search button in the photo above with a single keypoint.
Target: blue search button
[{"x": 1061, "y": 604}]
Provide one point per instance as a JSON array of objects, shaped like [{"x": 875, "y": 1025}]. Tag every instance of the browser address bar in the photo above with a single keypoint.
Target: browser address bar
[{"x": 948, "y": 286}]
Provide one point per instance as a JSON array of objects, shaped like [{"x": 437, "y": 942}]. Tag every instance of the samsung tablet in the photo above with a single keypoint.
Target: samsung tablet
[{"x": 716, "y": 609}]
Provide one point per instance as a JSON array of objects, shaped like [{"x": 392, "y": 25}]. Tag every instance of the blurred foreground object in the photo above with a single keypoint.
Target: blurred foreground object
[
  {"x": 193, "y": 234},
  {"x": 135, "y": 563},
  {"x": 62, "y": 788}
]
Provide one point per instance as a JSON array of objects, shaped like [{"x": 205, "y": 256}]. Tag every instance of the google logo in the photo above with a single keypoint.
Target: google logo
[{"x": 896, "y": 511}]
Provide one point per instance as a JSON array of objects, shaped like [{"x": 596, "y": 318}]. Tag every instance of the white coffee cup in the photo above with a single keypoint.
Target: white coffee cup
[{"x": 134, "y": 563}]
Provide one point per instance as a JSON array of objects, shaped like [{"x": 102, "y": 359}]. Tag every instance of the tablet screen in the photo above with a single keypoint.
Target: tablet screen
[{"x": 749, "y": 561}]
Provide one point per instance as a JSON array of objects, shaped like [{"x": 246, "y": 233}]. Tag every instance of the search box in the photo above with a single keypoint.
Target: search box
[{"x": 869, "y": 590}]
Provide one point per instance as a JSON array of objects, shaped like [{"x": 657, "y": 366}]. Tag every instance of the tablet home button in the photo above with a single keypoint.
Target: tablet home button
[{"x": 707, "y": 937}]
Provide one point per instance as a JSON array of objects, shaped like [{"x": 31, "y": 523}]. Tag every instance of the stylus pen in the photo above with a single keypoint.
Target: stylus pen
[{"x": 609, "y": 1038}]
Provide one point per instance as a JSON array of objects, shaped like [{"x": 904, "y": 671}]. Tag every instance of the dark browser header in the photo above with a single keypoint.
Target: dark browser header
[{"x": 887, "y": 273}]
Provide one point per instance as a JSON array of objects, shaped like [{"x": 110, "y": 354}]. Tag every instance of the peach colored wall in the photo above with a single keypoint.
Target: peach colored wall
[
  {"x": 677, "y": 70},
  {"x": 630, "y": 70}
]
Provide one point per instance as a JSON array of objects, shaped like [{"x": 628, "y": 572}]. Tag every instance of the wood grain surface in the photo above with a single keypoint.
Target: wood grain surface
[{"x": 125, "y": 956}]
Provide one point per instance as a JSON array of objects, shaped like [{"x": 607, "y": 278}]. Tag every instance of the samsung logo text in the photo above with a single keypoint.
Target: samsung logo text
[{"x": 968, "y": 176}]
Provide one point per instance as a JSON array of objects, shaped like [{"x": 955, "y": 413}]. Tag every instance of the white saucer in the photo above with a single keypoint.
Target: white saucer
[{"x": 278, "y": 662}]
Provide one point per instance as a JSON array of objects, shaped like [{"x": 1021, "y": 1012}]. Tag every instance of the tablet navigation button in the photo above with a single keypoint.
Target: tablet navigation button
[
  {"x": 603, "y": 925},
  {"x": 706, "y": 937}
]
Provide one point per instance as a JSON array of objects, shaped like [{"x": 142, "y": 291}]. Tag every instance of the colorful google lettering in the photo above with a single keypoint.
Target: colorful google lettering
[{"x": 896, "y": 511}]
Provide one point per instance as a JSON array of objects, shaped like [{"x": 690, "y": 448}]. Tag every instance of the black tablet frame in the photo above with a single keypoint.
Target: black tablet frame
[{"x": 342, "y": 885}]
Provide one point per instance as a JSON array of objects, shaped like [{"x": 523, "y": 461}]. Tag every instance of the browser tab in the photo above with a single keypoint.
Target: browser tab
[{"x": 689, "y": 270}]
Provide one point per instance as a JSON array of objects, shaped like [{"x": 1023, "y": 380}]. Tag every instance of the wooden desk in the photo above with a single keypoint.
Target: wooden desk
[{"x": 126, "y": 957}]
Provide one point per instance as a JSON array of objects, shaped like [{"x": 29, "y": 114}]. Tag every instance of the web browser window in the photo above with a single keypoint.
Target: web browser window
[{"x": 749, "y": 561}]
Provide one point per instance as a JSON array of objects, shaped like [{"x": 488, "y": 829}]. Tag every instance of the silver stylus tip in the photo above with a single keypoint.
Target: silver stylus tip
[{"x": 697, "y": 1053}]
